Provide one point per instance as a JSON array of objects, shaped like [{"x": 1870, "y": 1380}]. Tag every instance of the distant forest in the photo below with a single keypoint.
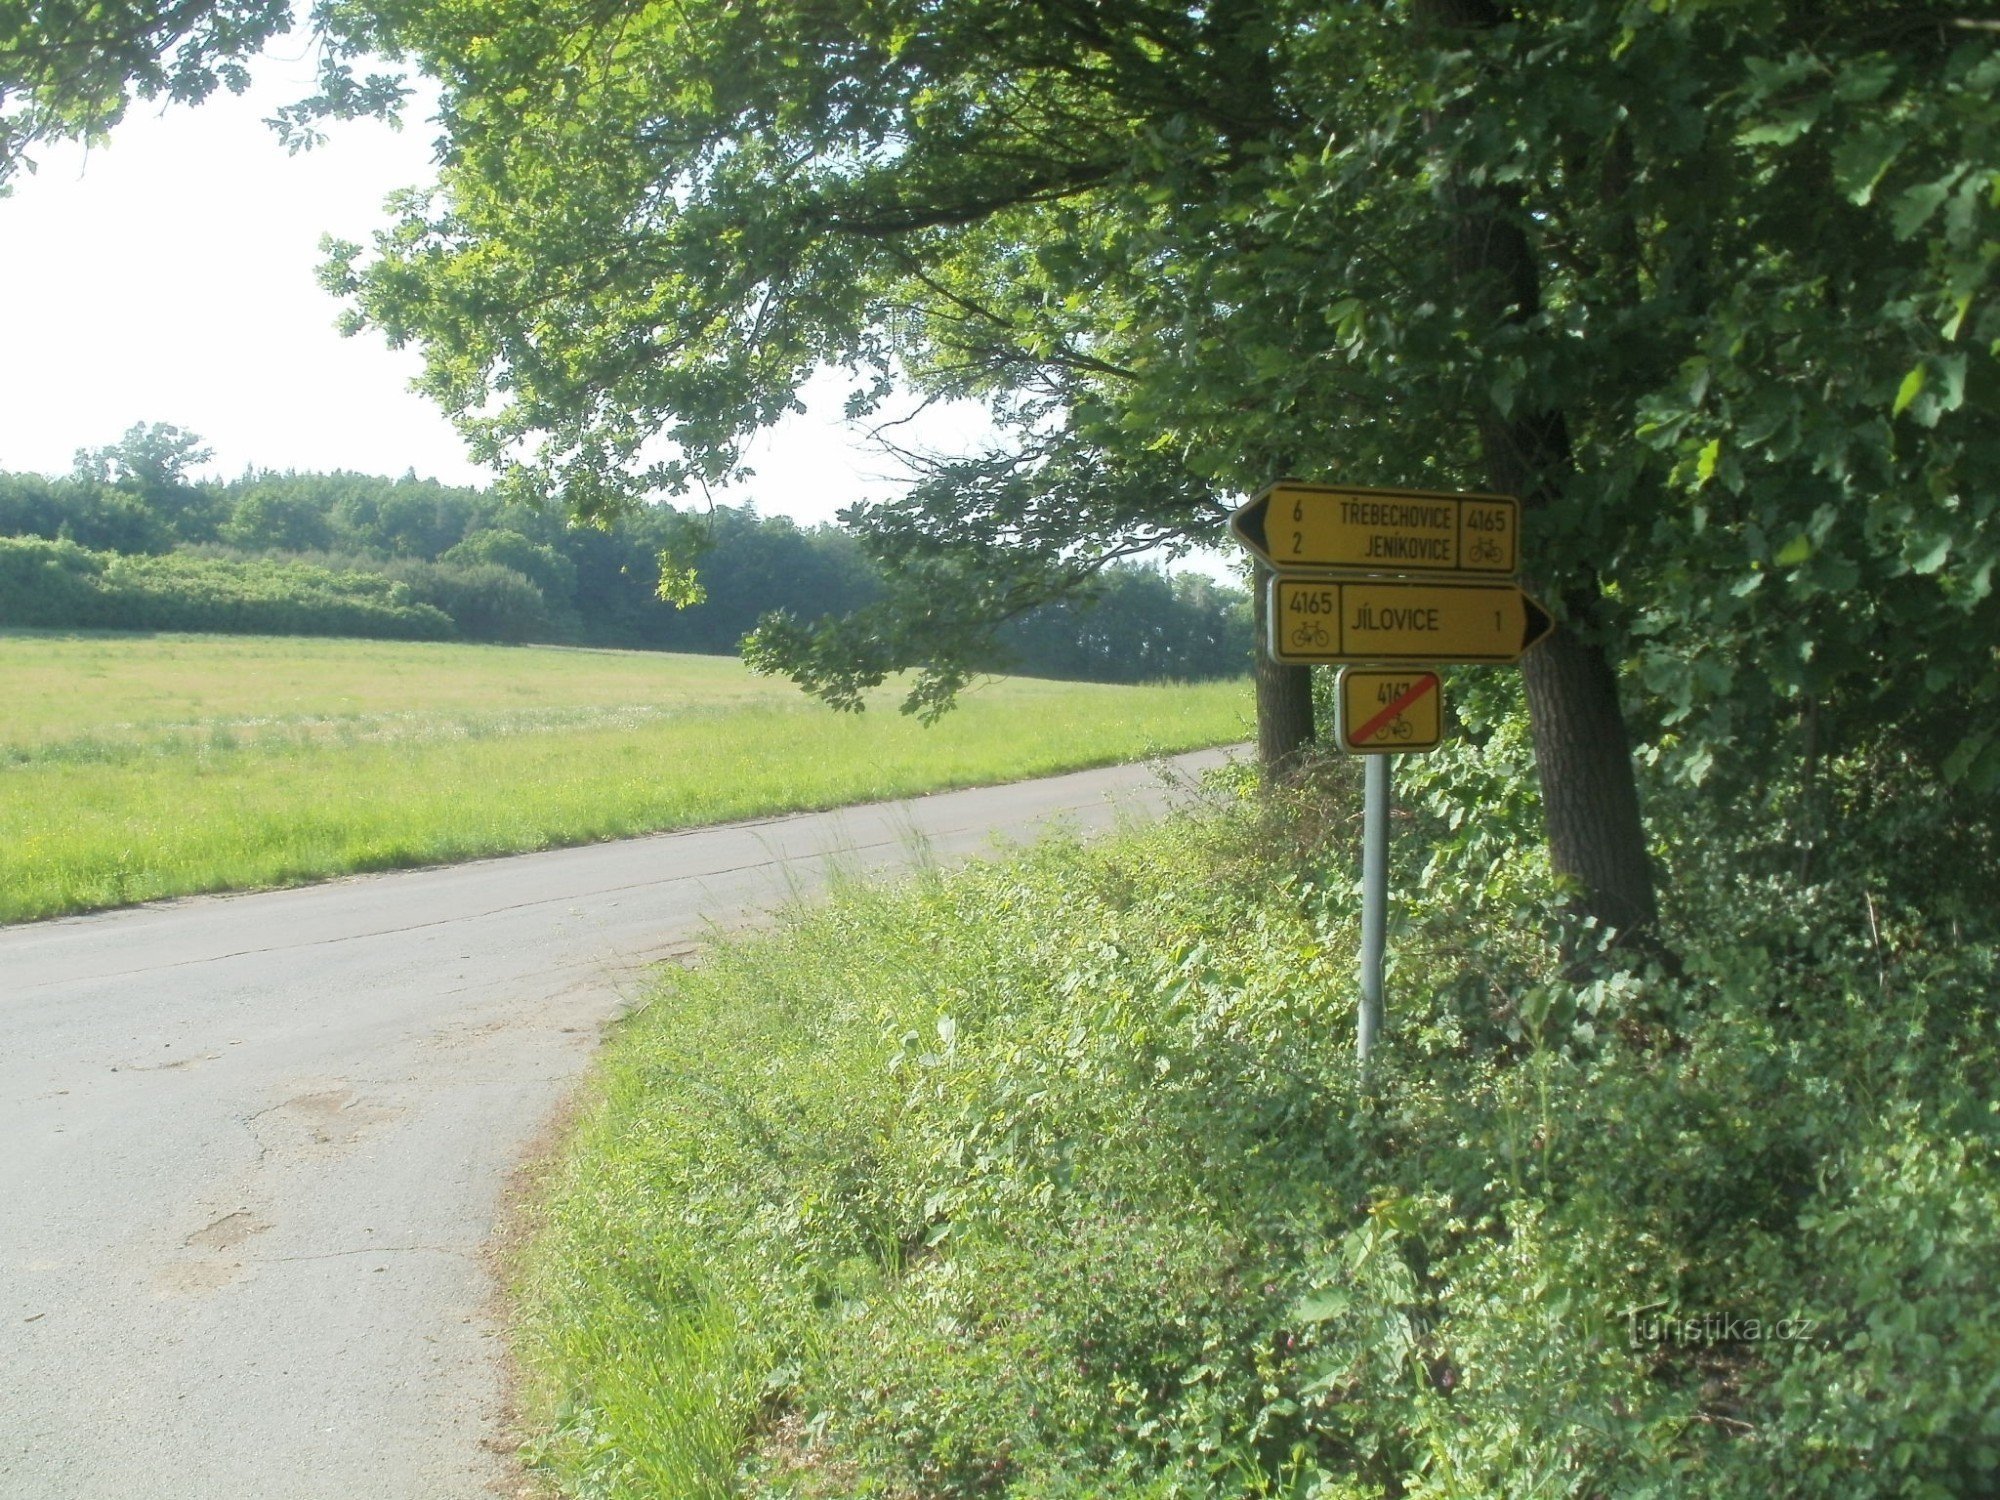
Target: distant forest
[{"x": 128, "y": 541}]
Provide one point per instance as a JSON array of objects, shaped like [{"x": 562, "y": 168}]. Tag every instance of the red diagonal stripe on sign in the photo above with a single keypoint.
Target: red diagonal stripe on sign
[{"x": 1382, "y": 720}]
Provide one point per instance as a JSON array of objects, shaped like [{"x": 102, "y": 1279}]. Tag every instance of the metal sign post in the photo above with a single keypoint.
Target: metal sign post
[
  {"x": 1372, "y": 579},
  {"x": 1374, "y": 901},
  {"x": 1378, "y": 714}
]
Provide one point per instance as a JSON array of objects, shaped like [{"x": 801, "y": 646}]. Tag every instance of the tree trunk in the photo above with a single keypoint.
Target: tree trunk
[
  {"x": 1285, "y": 729},
  {"x": 1590, "y": 794}
]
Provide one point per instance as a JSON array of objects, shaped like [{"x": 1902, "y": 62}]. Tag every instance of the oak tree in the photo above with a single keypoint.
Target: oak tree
[
  {"x": 69, "y": 68},
  {"x": 1708, "y": 286}
]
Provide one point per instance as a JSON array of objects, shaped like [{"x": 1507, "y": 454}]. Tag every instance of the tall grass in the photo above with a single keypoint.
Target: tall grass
[
  {"x": 1055, "y": 1180},
  {"x": 140, "y": 767}
]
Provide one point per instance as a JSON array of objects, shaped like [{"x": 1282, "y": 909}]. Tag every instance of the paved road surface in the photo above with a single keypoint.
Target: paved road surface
[{"x": 251, "y": 1147}]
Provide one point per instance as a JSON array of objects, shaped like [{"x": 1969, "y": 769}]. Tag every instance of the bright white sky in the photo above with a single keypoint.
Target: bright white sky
[{"x": 169, "y": 277}]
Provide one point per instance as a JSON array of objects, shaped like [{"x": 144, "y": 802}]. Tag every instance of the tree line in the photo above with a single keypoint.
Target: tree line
[{"x": 129, "y": 539}]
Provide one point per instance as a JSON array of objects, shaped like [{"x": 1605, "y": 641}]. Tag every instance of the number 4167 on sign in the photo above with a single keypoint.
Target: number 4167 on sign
[{"x": 1388, "y": 712}]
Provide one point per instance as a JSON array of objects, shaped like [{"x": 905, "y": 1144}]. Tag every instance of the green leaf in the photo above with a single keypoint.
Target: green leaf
[
  {"x": 1968, "y": 750},
  {"x": 1864, "y": 79},
  {"x": 1321, "y": 1306},
  {"x": 1911, "y": 388},
  {"x": 1961, "y": 305},
  {"x": 1711, "y": 454},
  {"x": 1914, "y": 207},
  {"x": 1781, "y": 131},
  {"x": 1930, "y": 560},
  {"x": 1860, "y": 162},
  {"x": 679, "y": 586},
  {"x": 1794, "y": 552},
  {"x": 1951, "y": 392}
]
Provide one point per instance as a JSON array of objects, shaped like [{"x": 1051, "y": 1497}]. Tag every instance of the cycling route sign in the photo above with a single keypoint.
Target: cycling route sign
[
  {"x": 1296, "y": 525},
  {"x": 1317, "y": 620},
  {"x": 1388, "y": 713}
]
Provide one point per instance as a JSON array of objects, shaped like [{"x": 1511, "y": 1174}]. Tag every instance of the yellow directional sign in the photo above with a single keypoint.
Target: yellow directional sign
[
  {"x": 1295, "y": 525},
  {"x": 1388, "y": 713},
  {"x": 1386, "y": 620}
]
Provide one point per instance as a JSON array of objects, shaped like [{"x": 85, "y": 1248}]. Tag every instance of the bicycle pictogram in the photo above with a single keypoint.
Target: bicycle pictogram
[
  {"x": 1483, "y": 550},
  {"x": 1309, "y": 635}
]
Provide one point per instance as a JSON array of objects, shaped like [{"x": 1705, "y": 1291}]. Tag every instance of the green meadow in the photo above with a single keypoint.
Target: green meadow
[{"x": 139, "y": 767}]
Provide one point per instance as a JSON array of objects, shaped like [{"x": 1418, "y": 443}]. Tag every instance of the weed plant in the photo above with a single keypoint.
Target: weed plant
[{"x": 1056, "y": 1178}]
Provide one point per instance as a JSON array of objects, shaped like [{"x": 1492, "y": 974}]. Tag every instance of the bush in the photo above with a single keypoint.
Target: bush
[
  {"x": 1058, "y": 1180},
  {"x": 62, "y": 586},
  {"x": 543, "y": 566},
  {"x": 485, "y": 601},
  {"x": 48, "y": 583}
]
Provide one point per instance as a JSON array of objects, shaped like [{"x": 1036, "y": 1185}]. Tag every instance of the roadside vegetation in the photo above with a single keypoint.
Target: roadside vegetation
[
  {"x": 1056, "y": 1178},
  {"x": 137, "y": 767}
]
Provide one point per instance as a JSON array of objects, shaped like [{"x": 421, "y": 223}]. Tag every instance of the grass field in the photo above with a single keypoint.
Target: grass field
[{"x": 136, "y": 767}]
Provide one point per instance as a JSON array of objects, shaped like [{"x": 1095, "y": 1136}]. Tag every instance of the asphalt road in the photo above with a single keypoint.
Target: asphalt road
[{"x": 253, "y": 1148}]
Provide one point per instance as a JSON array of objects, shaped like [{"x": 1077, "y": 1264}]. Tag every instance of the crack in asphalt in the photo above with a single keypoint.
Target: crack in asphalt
[{"x": 285, "y": 1260}]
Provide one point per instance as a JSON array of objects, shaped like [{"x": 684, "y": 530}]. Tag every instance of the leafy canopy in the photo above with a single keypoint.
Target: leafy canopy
[
  {"x": 69, "y": 68},
  {"x": 1177, "y": 248}
]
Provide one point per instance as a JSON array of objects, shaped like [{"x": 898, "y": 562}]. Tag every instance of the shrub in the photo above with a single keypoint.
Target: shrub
[
  {"x": 61, "y": 585},
  {"x": 1058, "y": 1180},
  {"x": 49, "y": 583},
  {"x": 486, "y": 602},
  {"x": 543, "y": 566}
]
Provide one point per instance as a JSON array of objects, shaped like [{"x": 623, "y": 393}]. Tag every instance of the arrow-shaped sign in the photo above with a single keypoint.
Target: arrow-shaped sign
[
  {"x": 1295, "y": 525},
  {"x": 1315, "y": 619}
]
